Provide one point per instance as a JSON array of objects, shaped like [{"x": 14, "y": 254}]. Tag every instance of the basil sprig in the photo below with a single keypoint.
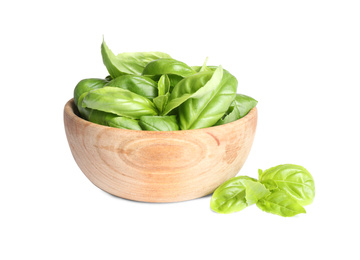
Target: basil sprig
[{"x": 282, "y": 190}]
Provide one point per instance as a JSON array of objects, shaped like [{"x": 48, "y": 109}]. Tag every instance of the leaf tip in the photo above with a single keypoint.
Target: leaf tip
[
  {"x": 205, "y": 62},
  {"x": 303, "y": 210},
  {"x": 103, "y": 44}
]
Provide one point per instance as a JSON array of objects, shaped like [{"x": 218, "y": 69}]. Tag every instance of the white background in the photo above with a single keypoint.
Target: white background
[{"x": 299, "y": 59}]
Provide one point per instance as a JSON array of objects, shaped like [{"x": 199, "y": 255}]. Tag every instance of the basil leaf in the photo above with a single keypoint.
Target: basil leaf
[
  {"x": 86, "y": 85},
  {"x": 230, "y": 196},
  {"x": 168, "y": 66},
  {"x": 204, "y": 67},
  {"x": 107, "y": 119},
  {"x": 84, "y": 112},
  {"x": 174, "y": 80},
  {"x": 99, "y": 117},
  {"x": 164, "y": 88},
  {"x": 254, "y": 191},
  {"x": 163, "y": 85},
  {"x": 293, "y": 179},
  {"x": 270, "y": 184},
  {"x": 124, "y": 123},
  {"x": 159, "y": 123},
  {"x": 140, "y": 85},
  {"x": 120, "y": 102},
  {"x": 243, "y": 104},
  {"x": 128, "y": 62},
  {"x": 208, "y": 68},
  {"x": 205, "y": 111},
  {"x": 239, "y": 108},
  {"x": 280, "y": 203},
  {"x": 92, "y": 115},
  {"x": 260, "y": 173},
  {"x": 193, "y": 86},
  {"x": 161, "y": 102},
  {"x": 236, "y": 194}
]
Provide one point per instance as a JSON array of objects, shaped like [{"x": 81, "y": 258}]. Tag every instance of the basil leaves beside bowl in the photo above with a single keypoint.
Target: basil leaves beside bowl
[
  {"x": 154, "y": 92},
  {"x": 282, "y": 190}
]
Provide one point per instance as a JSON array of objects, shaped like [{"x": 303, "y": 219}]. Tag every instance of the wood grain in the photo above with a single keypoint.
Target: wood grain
[{"x": 159, "y": 166}]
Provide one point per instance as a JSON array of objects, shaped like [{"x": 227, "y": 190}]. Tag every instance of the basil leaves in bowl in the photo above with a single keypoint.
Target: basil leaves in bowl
[{"x": 158, "y": 130}]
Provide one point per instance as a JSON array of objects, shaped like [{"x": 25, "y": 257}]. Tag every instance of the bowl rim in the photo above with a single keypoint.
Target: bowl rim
[{"x": 70, "y": 106}]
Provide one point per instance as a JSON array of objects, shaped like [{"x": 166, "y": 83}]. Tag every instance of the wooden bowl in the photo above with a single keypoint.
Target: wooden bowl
[{"x": 159, "y": 166}]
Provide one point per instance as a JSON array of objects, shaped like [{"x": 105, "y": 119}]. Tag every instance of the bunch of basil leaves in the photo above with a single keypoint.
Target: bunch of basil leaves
[
  {"x": 282, "y": 190},
  {"x": 151, "y": 91}
]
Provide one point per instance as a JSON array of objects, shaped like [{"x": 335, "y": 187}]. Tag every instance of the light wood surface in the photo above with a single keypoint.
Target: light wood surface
[{"x": 159, "y": 166}]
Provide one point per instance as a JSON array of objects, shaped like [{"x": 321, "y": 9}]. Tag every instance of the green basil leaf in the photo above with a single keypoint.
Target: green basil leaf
[
  {"x": 193, "y": 86},
  {"x": 163, "y": 85},
  {"x": 161, "y": 102},
  {"x": 260, "y": 172},
  {"x": 86, "y": 85},
  {"x": 100, "y": 117},
  {"x": 230, "y": 196},
  {"x": 208, "y": 68},
  {"x": 159, "y": 123},
  {"x": 280, "y": 203},
  {"x": 84, "y": 112},
  {"x": 108, "y": 78},
  {"x": 294, "y": 180},
  {"x": 204, "y": 67},
  {"x": 123, "y": 123},
  {"x": 120, "y": 102},
  {"x": 254, "y": 191},
  {"x": 174, "y": 80},
  {"x": 92, "y": 115},
  {"x": 239, "y": 108},
  {"x": 164, "y": 88},
  {"x": 168, "y": 66},
  {"x": 270, "y": 184},
  {"x": 107, "y": 119},
  {"x": 205, "y": 111},
  {"x": 243, "y": 104},
  {"x": 128, "y": 62},
  {"x": 140, "y": 85}
]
